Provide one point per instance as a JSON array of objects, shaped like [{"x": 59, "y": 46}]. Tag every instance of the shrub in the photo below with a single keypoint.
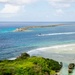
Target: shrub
[{"x": 23, "y": 56}]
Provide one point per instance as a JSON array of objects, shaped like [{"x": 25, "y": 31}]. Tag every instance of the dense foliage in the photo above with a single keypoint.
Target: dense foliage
[{"x": 26, "y": 65}]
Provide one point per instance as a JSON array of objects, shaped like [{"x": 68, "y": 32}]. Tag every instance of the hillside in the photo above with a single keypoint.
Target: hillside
[{"x": 26, "y": 65}]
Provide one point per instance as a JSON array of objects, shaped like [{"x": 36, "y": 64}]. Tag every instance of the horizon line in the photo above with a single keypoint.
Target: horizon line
[{"x": 35, "y": 21}]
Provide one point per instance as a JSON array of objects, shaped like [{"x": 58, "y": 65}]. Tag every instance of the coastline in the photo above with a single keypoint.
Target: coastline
[
  {"x": 56, "y": 48},
  {"x": 62, "y": 53},
  {"x": 65, "y": 64}
]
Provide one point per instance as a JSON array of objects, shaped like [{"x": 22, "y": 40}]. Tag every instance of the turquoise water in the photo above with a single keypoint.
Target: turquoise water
[
  {"x": 57, "y": 43},
  {"x": 6, "y": 29}
]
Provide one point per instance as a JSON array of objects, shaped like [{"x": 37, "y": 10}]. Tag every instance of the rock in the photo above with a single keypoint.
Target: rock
[
  {"x": 71, "y": 66},
  {"x": 70, "y": 70},
  {"x": 57, "y": 73},
  {"x": 61, "y": 64}
]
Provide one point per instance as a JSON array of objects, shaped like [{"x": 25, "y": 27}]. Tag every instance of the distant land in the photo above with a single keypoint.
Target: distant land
[{"x": 31, "y": 27}]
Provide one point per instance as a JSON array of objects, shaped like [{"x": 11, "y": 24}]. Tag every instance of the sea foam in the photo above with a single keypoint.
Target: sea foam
[{"x": 12, "y": 58}]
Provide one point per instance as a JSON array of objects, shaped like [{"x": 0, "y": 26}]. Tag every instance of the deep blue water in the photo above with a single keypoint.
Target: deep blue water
[{"x": 13, "y": 44}]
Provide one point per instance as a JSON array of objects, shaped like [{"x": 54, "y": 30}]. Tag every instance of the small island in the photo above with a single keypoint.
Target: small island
[
  {"x": 29, "y": 65},
  {"x": 31, "y": 27}
]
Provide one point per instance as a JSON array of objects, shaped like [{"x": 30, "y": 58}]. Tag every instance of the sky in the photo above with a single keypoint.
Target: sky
[{"x": 37, "y": 10}]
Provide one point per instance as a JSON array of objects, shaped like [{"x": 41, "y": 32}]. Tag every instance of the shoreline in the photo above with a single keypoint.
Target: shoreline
[
  {"x": 65, "y": 64},
  {"x": 63, "y": 69},
  {"x": 56, "y": 49},
  {"x": 60, "y": 53}
]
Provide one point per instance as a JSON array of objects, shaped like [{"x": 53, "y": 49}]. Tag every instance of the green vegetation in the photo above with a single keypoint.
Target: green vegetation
[{"x": 26, "y": 65}]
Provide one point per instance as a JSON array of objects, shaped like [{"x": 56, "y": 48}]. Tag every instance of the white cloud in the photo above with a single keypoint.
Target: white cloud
[
  {"x": 10, "y": 9},
  {"x": 61, "y": 3},
  {"x": 13, "y": 6},
  {"x": 18, "y": 1},
  {"x": 59, "y": 11},
  {"x": 25, "y": 1},
  {"x": 4, "y": 0}
]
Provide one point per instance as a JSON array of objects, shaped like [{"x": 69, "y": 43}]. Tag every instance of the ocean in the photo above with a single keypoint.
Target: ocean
[{"x": 56, "y": 43}]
